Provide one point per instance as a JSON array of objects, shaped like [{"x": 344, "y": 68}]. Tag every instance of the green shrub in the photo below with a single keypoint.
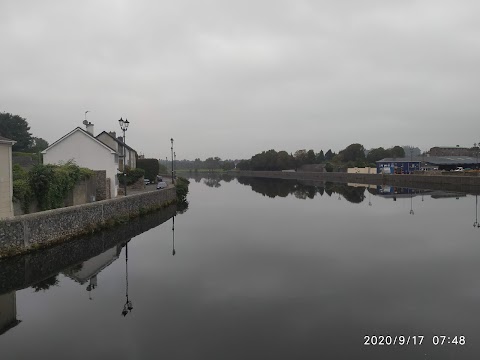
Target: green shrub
[
  {"x": 132, "y": 176},
  {"x": 150, "y": 166},
  {"x": 22, "y": 193},
  {"x": 181, "y": 186}
]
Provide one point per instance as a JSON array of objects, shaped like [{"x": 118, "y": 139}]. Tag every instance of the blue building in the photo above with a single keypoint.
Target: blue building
[{"x": 397, "y": 166}]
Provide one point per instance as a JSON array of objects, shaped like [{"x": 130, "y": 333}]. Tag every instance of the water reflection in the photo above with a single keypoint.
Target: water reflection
[
  {"x": 173, "y": 236},
  {"x": 81, "y": 260},
  {"x": 128, "y": 306}
]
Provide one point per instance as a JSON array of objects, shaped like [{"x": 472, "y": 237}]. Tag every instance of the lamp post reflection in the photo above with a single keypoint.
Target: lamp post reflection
[
  {"x": 476, "y": 224},
  {"x": 173, "y": 236},
  {"x": 128, "y": 306},
  {"x": 411, "y": 204}
]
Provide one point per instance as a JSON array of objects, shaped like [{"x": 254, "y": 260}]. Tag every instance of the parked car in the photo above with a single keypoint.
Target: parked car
[
  {"x": 459, "y": 169},
  {"x": 161, "y": 185},
  {"x": 146, "y": 181}
]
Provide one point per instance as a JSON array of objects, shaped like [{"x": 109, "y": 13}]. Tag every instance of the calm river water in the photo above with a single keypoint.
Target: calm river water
[{"x": 258, "y": 269}]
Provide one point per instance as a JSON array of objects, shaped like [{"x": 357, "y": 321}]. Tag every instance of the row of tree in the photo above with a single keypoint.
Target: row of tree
[
  {"x": 16, "y": 128},
  {"x": 352, "y": 155},
  {"x": 211, "y": 163}
]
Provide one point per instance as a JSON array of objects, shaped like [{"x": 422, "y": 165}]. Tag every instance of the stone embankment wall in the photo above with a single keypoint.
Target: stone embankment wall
[
  {"x": 450, "y": 182},
  {"x": 33, "y": 231}
]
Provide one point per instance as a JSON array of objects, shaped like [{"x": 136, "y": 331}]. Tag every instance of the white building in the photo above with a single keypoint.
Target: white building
[
  {"x": 111, "y": 139},
  {"x": 86, "y": 151},
  {"x": 6, "y": 180}
]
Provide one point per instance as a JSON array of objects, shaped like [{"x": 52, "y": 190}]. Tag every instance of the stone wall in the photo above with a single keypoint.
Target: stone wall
[
  {"x": 84, "y": 192},
  {"x": 41, "y": 229},
  {"x": 101, "y": 185}
]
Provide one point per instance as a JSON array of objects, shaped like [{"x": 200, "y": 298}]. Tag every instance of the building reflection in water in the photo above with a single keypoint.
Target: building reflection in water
[
  {"x": 8, "y": 312},
  {"x": 88, "y": 270},
  {"x": 128, "y": 306}
]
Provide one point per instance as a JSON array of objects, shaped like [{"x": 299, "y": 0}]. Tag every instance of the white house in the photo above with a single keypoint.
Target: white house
[
  {"x": 86, "y": 151},
  {"x": 111, "y": 139},
  {"x": 6, "y": 181}
]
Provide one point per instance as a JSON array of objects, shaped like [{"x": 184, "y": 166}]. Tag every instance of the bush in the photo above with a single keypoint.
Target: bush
[
  {"x": 150, "y": 166},
  {"x": 132, "y": 176},
  {"x": 181, "y": 186},
  {"x": 328, "y": 167},
  {"x": 23, "y": 193}
]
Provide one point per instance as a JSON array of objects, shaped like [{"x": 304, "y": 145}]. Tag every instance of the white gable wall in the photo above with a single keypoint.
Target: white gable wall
[{"x": 86, "y": 152}]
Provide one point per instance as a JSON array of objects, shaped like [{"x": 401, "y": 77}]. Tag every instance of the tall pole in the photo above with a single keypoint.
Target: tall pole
[
  {"x": 124, "y": 127},
  {"x": 124, "y": 164},
  {"x": 173, "y": 236},
  {"x": 173, "y": 179},
  {"x": 174, "y": 164}
]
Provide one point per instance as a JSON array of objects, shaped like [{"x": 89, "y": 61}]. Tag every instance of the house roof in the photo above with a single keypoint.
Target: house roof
[
  {"x": 436, "y": 160},
  {"x": 118, "y": 141},
  {"x": 4, "y": 140},
  {"x": 113, "y": 151}
]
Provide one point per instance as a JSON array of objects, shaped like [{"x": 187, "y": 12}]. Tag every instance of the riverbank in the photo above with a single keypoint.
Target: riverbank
[{"x": 43, "y": 229}]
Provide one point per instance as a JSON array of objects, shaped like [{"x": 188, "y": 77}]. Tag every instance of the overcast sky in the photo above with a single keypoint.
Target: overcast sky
[{"x": 233, "y": 78}]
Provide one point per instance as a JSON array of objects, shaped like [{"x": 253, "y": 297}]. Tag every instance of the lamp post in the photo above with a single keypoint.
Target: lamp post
[
  {"x": 173, "y": 180},
  {"x": 124, "y": 127},
  {"x": 174, "y": 164},
  {"x": 476, "y": 146}
]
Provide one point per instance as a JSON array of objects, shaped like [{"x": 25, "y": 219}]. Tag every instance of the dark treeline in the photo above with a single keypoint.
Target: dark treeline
[
  {"x": 352, "y": 155},
  {"x": 211, "y": 163}
]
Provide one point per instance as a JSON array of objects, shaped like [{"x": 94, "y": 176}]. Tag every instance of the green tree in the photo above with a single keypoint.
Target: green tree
[
  {"x": 151, "y": 167},
  {"x": 38, "y": 144},
  {"x": 353, "y": 152},
  {"x": 329, "y": 155},
  {"x": 377, "y": 154},
  {"x": 320, "y": 158},
  {"x": 311, "y": 158},
  {"x": 397, "y": 152},
  {"x": 16, "y": 128},
  {"x": 300, "y": 158}
]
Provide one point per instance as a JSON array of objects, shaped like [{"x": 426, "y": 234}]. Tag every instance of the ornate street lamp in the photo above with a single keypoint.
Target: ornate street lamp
[
  {"x": 124, "y": 126},
  {"x": 173, "y": 180},
  {"x": 174, "y": 164}
]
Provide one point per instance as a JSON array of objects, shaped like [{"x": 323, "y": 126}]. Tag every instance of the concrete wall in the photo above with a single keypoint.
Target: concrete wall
[
  {"x": 86, "y": 152},
  {"x": 6, "y": 186},
  {"x": 365, "y": 170},
  {"x": 31, "y": 231}
]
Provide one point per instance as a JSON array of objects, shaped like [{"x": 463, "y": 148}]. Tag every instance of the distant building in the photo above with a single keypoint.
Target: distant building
[
  {"x": 397, "y": 166},
  {"x": 6, "y": 179},
  {"x": 408, "y": 165}
]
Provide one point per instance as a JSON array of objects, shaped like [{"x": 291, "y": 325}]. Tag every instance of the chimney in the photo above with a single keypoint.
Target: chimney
[
  {"x": 120, "y": 138},
  {"x": 89, "y": 127},
  {"x": 113, "y": 134}
]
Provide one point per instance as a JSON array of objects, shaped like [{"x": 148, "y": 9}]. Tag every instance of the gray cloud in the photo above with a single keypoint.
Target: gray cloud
[{"x": 235, "y": 78}]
